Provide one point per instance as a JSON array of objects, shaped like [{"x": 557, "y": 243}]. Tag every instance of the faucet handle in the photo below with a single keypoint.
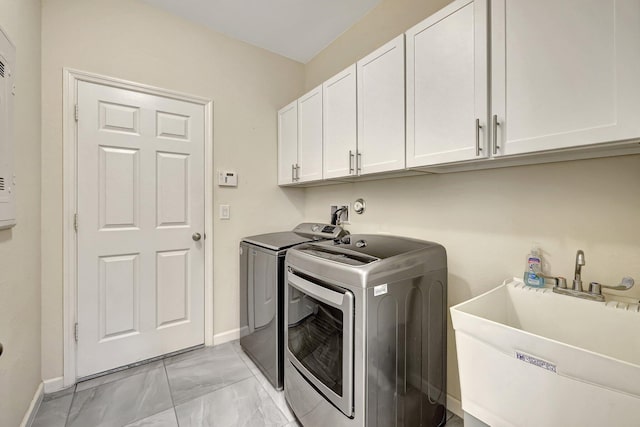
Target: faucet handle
[
  {"x": 558, "y": 282},
  {"x": 561, "y": 282},
  {"x": 625, "y": 284}
]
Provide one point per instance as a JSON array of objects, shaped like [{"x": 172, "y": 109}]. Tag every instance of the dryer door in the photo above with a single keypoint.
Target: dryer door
[{"x": 320, "y": 339}]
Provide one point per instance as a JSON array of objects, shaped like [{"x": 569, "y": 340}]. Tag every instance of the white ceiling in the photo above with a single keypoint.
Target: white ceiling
[{"x": 297, "y": 29}]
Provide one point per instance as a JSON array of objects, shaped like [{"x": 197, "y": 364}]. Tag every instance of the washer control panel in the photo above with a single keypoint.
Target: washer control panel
[{"x": 320, "y": 231}]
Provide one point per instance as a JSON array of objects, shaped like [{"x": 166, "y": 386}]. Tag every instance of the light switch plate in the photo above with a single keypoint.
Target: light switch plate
[{"x": 225, "y": 212}]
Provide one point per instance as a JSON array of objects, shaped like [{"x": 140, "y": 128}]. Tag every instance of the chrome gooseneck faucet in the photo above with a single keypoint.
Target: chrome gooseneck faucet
[
  {"x": 595, "y": 289},
  {"x": 577, "y": 280}
]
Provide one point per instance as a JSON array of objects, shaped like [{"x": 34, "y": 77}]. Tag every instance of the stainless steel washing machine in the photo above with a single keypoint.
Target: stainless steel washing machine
[
  {"x": 366, "y": 332},
  {"x": 262, "y": 293}
]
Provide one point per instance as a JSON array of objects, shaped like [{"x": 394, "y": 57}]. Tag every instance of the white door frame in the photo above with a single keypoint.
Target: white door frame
[{"x": 70, "y": 168}]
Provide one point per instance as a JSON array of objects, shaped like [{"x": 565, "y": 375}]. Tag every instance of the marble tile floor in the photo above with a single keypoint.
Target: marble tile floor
[{"x": 213, "y": 386}]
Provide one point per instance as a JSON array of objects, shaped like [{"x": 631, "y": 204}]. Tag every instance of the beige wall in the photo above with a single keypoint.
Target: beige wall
[
  {"x": 20, "y": 246},
  {"x": 134, "y": 41},
  {"x": 487, "y": 220},
  {"x": 487, "y": 224}
]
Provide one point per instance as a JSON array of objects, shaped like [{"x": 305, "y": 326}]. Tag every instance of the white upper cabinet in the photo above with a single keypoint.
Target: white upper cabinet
[
  {"x": 564, "y": 73},
  {"x": 447, "y": 85},
  {"x": 287, "y": 143},
  {"x": 309, "y": 166},
  {"x": 340, "y": 124},
  {"x": 518, "y": 82},
  {"x": 381, "y": 103}
]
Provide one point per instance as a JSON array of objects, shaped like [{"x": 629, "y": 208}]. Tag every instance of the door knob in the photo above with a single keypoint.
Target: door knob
[{"x": 196, "y": 236}]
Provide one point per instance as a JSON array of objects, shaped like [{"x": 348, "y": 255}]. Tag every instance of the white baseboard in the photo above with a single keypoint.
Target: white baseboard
[
  {"x": 30, "y": 415},
  {"x": 455, "y": 406},
  {"x": 53, "y": 384},
  {"x": 228, "y": 336}
]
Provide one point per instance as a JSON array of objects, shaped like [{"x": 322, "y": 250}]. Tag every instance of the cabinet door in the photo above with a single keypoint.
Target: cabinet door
[
  {"x": 447, "y": 85},
  {"x": 564, "y": 74},
  {"x": 380, "y": 82},
  {"x": 310, "y": 136},
  {"x": 287, "y": 142},
  {"x": 340, "y": 121}
]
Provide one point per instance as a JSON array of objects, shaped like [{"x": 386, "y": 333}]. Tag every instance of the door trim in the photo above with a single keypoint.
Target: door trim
[{"x": 71, "y": 78}]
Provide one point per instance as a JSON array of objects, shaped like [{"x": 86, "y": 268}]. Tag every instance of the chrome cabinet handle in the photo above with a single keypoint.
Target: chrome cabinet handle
[
  {"x": 495, "y": 134},
  {"x": 295, "y": 172},
  {"x": 478, "y": 127},
  {"x": 359, "y": 162},
  {"x": 196, "y": 237},
  {"x": 351, "y": 156}
]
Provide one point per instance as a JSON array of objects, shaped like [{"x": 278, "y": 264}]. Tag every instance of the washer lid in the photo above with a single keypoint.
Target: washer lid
[
  {"x": 361, "y": 249},
  {"x": 343, "y": 257},
  {"x": 303, "y": 233},
  {"x": 278, "y": 241}
]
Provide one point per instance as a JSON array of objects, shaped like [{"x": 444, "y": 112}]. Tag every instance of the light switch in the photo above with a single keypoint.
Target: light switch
[{"x": 225, "y": 212}]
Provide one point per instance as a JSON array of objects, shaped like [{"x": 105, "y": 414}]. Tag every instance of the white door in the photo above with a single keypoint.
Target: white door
[
  {"x": 339, "y": 124},
  {"x": 310, "y": 136},
  {"x": 140, "y": 205},
  {"x": 287, "y": 143},
  {"x": 564, "y": 73},
  {"x": 447, "y": 85},
  {"x": 381, "y": 142}
]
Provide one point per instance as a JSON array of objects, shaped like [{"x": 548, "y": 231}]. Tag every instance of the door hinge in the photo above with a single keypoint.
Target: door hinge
[
  {"x": 75, "y": 222},
  {"x": 75, "y": 332},
  {"x": 77, "y": 112}
]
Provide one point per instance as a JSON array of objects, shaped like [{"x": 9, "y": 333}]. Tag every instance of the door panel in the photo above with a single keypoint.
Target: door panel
[
  {"x": 172, "y": 188},
  {"x": 119, "y": 118},
  {"x": 172, "y": 287},
  {"x": 119, "y": 288},
  {"x": 119, "y": 176},
  {"x": 172, "y": 126},
  {"x": 140, "y": 199}
]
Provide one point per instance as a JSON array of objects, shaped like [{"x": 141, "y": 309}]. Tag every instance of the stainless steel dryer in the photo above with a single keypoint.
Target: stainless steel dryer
[
  {"x": 262, "y": 293},
  {"x": 366, "y": 332}
]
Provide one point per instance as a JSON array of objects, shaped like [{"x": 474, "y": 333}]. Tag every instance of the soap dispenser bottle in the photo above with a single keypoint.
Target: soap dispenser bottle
[{"x": 533, "y": 269}]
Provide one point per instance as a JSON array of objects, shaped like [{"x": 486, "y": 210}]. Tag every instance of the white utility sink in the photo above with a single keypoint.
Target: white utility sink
[{"x": 530, "y": 357}]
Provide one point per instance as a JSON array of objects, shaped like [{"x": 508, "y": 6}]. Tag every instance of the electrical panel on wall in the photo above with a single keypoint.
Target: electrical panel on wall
[{"x": 7, "y": 93}]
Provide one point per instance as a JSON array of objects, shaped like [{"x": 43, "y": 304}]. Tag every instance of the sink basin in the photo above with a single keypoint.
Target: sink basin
[{"x": 530, "y": 357}]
